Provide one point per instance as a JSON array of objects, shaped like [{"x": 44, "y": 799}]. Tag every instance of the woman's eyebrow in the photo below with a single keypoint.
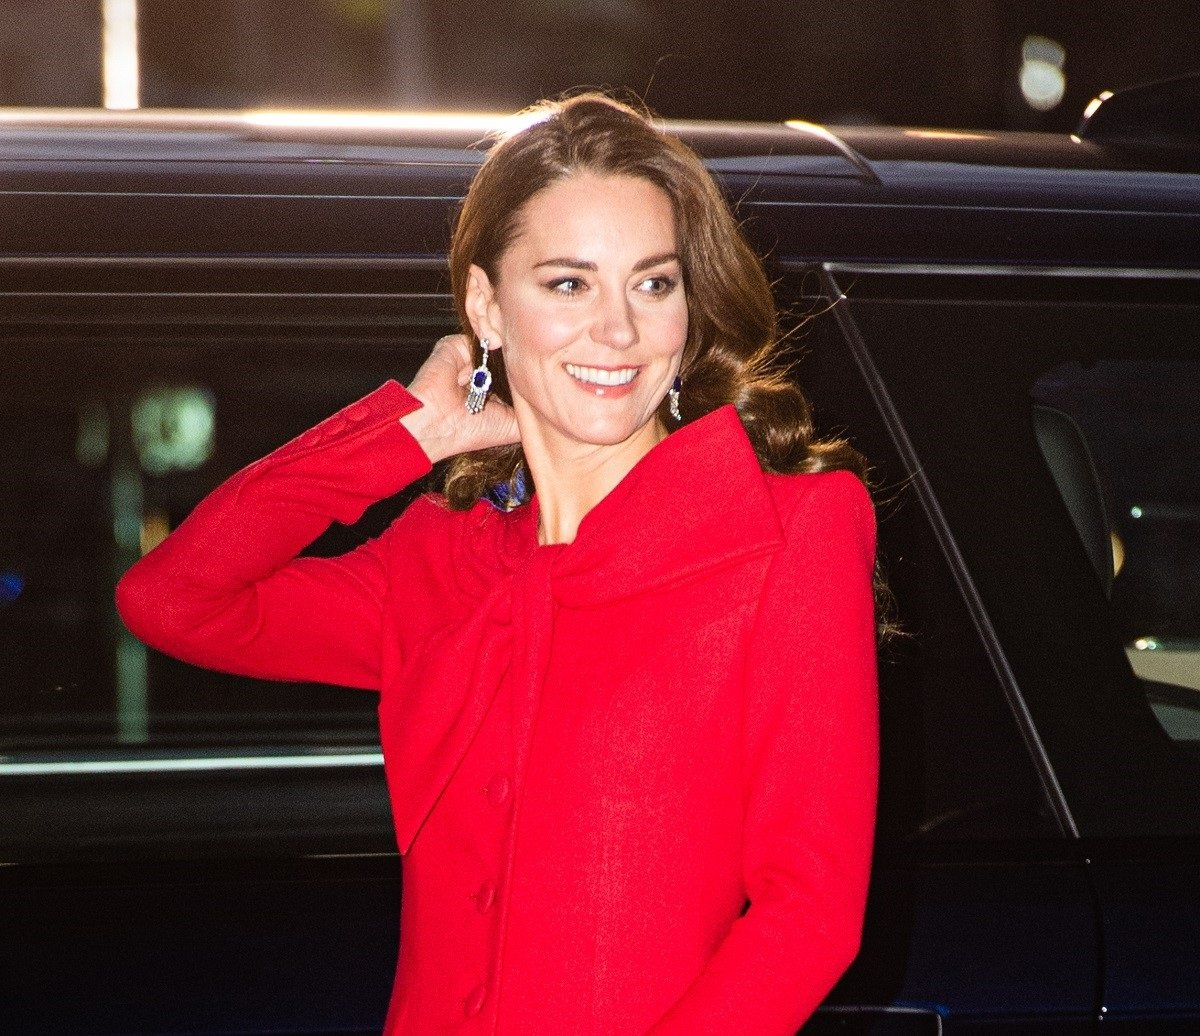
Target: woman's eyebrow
[
  {"x": 655, "y": 260},
  {"x": 585, "y": 264},
  {"x": 574, "y": 264}
]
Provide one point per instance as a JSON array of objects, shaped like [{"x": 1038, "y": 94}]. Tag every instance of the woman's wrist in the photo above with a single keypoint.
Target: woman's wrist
[{"x": 424, "y": 425}]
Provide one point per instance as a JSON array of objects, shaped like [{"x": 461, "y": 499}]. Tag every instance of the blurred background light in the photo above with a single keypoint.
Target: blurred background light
[
  {"x": 11, "y": 585},
  {"x": 173, "y": 429},
  {"x": 1095, "y": 103},
  {"x": 119, "y": 46},
  {"x": 91, "y": 439},
  {"x": 1043, "y": 81},
  {"x": 155, "y": 528}
]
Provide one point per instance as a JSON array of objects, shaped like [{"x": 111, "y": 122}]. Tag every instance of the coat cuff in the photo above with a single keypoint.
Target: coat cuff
[{"x": 364, "y": 439}]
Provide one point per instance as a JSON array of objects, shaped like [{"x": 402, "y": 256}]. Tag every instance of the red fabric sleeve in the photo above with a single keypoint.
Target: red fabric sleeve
[
  {"x": 225, "y": 589},
  {"x": 811, "y": 772}
]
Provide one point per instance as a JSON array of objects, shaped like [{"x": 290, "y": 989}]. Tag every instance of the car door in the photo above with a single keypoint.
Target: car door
[
  {"x": 982, "y": 917},
  {"x": 1129, "y": 384},
  {"x": 968, "y": 370}
]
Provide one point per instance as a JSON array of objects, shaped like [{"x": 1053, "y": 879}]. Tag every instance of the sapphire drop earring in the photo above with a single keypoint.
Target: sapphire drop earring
[
  {"x": 481, "y": 382},
  {"x": 673, "y": 395}
]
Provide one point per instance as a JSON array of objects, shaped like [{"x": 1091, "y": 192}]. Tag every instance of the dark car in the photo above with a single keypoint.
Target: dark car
[{"x": 1008, "y": 325}]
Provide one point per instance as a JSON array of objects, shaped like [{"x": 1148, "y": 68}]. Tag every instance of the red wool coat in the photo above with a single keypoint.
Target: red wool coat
[{"x": 598, "y": 753}]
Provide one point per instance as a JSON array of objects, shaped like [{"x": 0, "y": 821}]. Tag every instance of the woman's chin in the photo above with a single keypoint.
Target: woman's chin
[{"x": 612, "y": 427}]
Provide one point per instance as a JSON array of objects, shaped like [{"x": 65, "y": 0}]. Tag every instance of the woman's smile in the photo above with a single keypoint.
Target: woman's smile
[{"x": 604, "y": 381}]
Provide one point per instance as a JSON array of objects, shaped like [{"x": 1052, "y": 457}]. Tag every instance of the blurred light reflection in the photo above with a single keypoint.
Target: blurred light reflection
[
  {"x": 11, "y": 585},
  {"x": 155, "y": 527},
  {"x": 173, "y": 428},
  {"x": 1043, "y": 82},
  {"x": 480, "y": 122},
  {"x": 91, "y": 440},
  {"x": 119, "y": 63},
  {"x": 1095, "y": 103}
]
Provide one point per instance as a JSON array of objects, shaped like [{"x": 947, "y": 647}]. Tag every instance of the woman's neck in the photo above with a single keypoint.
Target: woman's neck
[{"x": 571, "y": 478}]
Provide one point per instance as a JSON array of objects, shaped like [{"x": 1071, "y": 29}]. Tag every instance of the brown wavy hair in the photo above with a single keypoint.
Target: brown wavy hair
[{"x": 732, "y": 352}]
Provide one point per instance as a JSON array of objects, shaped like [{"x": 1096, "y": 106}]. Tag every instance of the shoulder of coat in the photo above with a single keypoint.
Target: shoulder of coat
[{"x": 841, "y": 492}]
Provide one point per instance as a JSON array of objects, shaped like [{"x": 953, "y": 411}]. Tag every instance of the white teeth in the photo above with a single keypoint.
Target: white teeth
[{"x": 596, "y": 376}]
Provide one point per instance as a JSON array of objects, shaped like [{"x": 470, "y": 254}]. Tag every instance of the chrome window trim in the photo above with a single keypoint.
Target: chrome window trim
[
  {"x": 959, "y": 269},
  {"x": 186, "y": 764},
  {"x": 224, "y": 262}
]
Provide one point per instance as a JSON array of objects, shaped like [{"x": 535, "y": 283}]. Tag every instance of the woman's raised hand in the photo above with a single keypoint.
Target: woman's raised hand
[{"x": 443, "y": 426}]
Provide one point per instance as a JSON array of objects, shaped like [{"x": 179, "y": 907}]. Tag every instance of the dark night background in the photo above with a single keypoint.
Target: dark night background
[{"x": 923, "y": 63}]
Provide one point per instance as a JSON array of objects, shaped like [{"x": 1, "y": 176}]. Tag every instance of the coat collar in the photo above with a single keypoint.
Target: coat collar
[{"x": 697, "y": 500}]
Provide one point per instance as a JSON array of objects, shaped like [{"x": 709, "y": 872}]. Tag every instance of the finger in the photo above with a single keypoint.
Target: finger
[{"x": 462, "y": 346}]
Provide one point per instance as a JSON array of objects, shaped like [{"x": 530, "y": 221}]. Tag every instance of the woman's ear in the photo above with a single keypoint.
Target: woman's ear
[{"x": 481, "y": 306}]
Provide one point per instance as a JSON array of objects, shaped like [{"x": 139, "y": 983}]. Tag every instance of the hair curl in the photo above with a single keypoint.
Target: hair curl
[{"x": 732, "y": 352}]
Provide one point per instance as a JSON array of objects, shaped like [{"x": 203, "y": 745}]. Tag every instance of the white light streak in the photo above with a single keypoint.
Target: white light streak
[
  {"x": 476, "y": 122},
  {"x": 1095, "y": 103},
  {"x": 119, "y": 59}
]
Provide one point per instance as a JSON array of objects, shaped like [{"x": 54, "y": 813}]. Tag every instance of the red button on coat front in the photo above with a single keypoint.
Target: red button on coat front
[
  {"x": 670, "y": 717},
  {"x": 497, "y": 790},
  {"x": 485, "y": 897},
  {"x": 474, "y": 1003}
]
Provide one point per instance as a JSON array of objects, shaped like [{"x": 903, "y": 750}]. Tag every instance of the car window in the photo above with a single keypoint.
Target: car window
[
  {"x": 106, "y": 447},
  {"x": 1136, "y": 427},
  {"x": 986, "y": 375},
  {"x": 98, "y": 469},
  {"x": 955, "y": 764}
]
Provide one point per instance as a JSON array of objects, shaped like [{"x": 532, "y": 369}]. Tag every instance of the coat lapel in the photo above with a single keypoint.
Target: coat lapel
[{"x": 698, "y": 500}]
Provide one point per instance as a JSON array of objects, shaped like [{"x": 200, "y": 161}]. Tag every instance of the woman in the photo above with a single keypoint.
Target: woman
[{"x": 626, "y": 662}]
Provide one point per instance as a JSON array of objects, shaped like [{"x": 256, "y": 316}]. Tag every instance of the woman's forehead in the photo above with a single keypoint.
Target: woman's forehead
[{"x": 611, "y": 214}]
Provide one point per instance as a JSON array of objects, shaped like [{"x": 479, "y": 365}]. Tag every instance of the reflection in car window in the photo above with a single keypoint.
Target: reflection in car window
[
  {"x": 93, "y": 473},
  {"x": 1138, "y": 433},
  {"x": 96, "y": 473},
  {"x": 954, "y": 766}
]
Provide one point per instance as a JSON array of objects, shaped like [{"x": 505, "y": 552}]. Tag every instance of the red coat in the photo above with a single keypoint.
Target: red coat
[{"x": 597, "y": 752}]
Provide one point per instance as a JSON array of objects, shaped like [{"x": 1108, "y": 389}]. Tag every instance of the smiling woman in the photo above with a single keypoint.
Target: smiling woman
[{"x": 629, "y": 718}]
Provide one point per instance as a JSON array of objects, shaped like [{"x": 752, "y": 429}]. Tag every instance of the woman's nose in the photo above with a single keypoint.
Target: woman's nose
[{"x": 615, "y": 325}]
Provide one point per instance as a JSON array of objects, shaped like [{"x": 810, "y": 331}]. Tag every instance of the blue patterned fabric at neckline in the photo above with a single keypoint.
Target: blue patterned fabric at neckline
[{"x": 498, "y": 496}]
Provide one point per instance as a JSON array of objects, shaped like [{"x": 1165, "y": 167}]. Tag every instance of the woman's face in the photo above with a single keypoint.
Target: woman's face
[{"x": 590, "y": 310}]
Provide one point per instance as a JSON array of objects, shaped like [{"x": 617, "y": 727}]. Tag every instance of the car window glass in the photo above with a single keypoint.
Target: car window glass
[
  {"x": 954, "y": 764},
  {"x": 988, "y": 375},
  {"x": 1138, "y": 430},
  {"x": 97, "y": 469}
]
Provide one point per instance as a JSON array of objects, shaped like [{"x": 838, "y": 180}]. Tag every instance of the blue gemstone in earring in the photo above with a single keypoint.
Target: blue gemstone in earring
[{"x": 481, "y": 382}]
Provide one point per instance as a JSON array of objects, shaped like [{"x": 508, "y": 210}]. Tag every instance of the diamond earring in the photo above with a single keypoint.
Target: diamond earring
[
  {"x": 481, "y": 382},
  {"x": 673, "y": 395}
]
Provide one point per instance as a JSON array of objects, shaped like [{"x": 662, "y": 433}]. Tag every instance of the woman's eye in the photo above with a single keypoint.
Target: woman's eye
[
  {"x": 662, "y": 285},
  {"x": 566, "y": 286}
]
